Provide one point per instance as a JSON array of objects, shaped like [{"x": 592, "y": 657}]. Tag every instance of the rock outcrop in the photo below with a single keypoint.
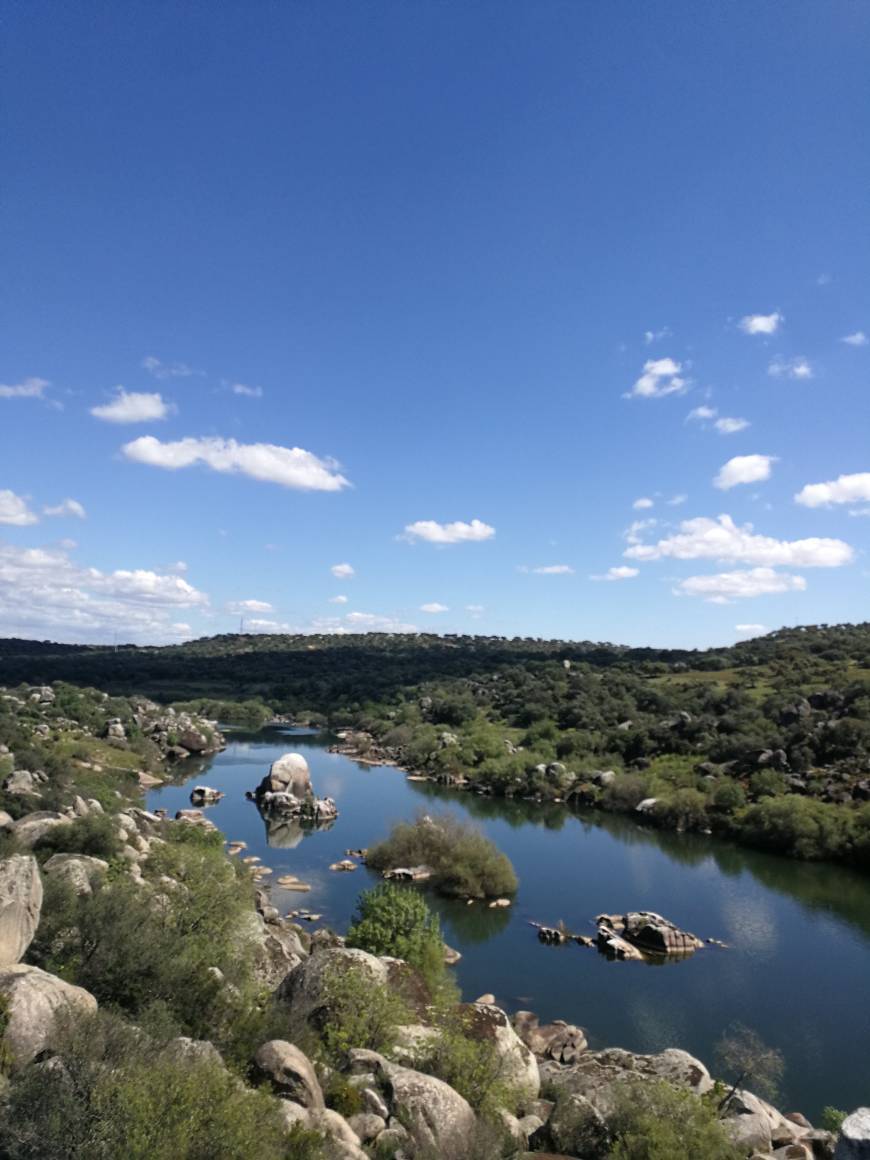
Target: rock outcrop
[
  {"x": 290, "y": 1072},
  {"x": 518, "y": 1066},
  {"x": 80, "y": 871},
  {"x": 437, "y": 1118},
  {"x": 854, "y": 1141},
  {"x": 20, "y": 906},
  {"x": 596, "y": 1074},
  {"x": 35, "y": 1002},
  {"x": 29, "y": 829},
  {"x": 647, "y": 931},
  {"x": 306, "y": 987}
]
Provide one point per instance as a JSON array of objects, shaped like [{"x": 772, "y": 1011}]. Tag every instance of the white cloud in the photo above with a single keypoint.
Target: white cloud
[
  {"x": 178, "y": 566},
  {"x": 258, "y": 624},
  {"x": 728, "y": 586},
  {"x": 241, "y": 606},
  {"x": 676, "y": 500},
  {"x": 67, "y": 507},
  {"x": 621, "y": 572},
  {"x": 752, "y": 629},
  {"x": 162, "y": 370},
  {"x": 633, "y": 531},
  {"x": 859, "y": 511},
  {"x": 844, "y": 489},
  {"x": 338, "y": 600},
  {"x": 288, "y": 466},
  {"x": 728, "y": 426},
  {"x": 792, "y": 368},
  {"x": 14, "y": 510},
  {"x": 434, "y": 606},
  {"x": 702, "y": 413},
  {"x": 859, "y": 338},
  {"x": 342, "y": 571},
  {"x": 456, "y": 533},
  {"x": 133, "y": 407},
  {"x": 657, "y": 335},
  {"x": 744, "y": 469},
  {"x": 553, "y": 570},
  {"x": 31, "y": 388},
  {"x": 721, "y": 539},
  {"x": 643, "y": 502},
  {"x": 244, "y": 389},
  {"x": 661, "y": 376},
  {"x": 475, "y": 610},
  {"x": 42, "y": 592},
  {"x": 761, "y": 323}
]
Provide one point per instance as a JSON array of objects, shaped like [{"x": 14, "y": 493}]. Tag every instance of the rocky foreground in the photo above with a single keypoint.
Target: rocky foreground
[
  {"x": 555, "y": 1096},
  {"x": 404, "y": 1111}
]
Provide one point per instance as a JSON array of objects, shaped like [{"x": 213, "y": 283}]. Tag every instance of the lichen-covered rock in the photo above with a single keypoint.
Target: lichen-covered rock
[
  {"x": 29, "y": 829},
  {"x": 80, "y": 871},
  {"x": 750, "y": 1123},
  {"x": 20, "y": 905},
  {"x": 561, "y": 1041},
  {"x": 290, "y": 1073},
  {"x": 438, "y": 1119},
  {"x": 34, "y": 1001},
  {"x": 518, "y": 1066},
  {"x": 596, "y": 1074},
  {"x": 306, "y": 987}
]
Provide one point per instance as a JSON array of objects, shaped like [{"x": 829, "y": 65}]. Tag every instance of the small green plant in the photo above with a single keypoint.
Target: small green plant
[
  {"x": 832, "y": 1119},
  {"x": 358, "y": 1012},
  {"x": 657, "y": 1121}
]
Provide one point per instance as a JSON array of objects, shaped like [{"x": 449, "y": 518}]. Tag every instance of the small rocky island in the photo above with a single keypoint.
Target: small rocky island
[{"x": 286, "y": 793}]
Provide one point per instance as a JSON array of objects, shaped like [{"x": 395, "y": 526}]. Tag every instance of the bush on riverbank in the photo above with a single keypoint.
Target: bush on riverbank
[
  {"x": 395, "y": 920},
  {"x": 464, "y": 863}
]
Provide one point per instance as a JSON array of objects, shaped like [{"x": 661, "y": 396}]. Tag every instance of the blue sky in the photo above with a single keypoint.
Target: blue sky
[{"x": 498, "y": 271}]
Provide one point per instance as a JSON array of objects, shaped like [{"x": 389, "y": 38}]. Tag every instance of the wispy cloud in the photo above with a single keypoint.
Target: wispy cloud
[
  {"x": 343, "y": 571},
  {"x": 244, "y": 389},
  {"x": 643, "y": 502},
  {"x": 792, "y": 368},
  {"x": 67, "y": 507},
  {"x": 162, "y": 370},
  {"x": 288, "y": 466},
  {"x": 859, "y": 338},
  {"x": 338, "y": 599},
  {"x": 242, "y": 606},
  {"x": 433, "y": 606},
  {"x": 32, "y": 388},
  {"x": 650, "y": 336},
  {"x": 553, "y": 570}
]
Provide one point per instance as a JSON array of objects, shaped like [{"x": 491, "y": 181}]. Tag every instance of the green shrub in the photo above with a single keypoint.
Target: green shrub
[
  {"x": 95, "y": 835},
  {"x": 119, "y": 1094},
  {"x": 463, "y": 861},
  {"x": 469, "y": 1063},
  {"x": 395, "y": 920},
  {"x": 832, "y": 1119},
  {"x": 625, "y": 792},
  {"x": 728, "y": 797},
  {"x": 656, "y": 1121},
  {"x": 359, "y": 1012}
]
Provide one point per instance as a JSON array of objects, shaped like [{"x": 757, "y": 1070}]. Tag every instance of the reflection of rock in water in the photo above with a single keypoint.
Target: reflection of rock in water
[{"x": 286, "y": 833}]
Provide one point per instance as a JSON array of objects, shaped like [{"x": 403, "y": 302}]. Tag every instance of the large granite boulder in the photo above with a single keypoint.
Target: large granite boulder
[
  {"x": 854, "y": 1141},
  {"x": 597, "y": 1074},
  {"x": 306, "y": 987},
  {"x": 29, "y": 829},
  {"x": 518, "y": 1066},
  {"x": 20, "y": 906},
  {"x": 438, "y": 1119},
  {"x": 35, "y": 1004},
  {"x": 80, "y": 871},
  {"x": 752, "y": 1123},
  {"x": 290, "y": 1073},
  {"x": 289, "y": 774}
]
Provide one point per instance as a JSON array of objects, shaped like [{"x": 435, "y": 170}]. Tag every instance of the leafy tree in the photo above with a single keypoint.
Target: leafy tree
[
  {"x": 748, "y": 1061},
  {"x": 657, "y": 1121},
  {"x": 395, "y": 920}
]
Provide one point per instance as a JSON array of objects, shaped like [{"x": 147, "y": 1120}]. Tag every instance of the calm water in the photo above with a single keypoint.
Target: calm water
[{"x": 798, "y": 967}]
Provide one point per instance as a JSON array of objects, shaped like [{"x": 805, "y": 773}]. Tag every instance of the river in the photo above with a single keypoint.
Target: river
[{"x": 797, "y": 967}]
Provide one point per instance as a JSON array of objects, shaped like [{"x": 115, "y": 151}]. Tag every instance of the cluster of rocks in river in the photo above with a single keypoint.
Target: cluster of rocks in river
[{"x": 286, "y": 792}]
